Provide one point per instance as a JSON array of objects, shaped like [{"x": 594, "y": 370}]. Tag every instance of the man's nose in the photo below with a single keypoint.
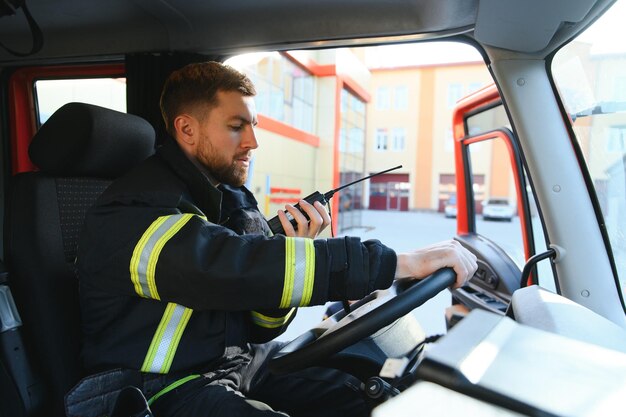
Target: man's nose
[{"x": 249, "y": 139}]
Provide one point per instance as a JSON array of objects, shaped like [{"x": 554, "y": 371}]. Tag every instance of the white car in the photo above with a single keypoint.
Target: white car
[
  {"x": 450, "y": 208},
  {"x": 498, "y": 209}
]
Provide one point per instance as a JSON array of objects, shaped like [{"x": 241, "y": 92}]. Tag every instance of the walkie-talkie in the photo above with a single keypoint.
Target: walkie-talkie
[{"x": 277, "y": 227}]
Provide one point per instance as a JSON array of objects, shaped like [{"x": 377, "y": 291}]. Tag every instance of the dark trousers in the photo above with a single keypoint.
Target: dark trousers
[{"x": 251, "y": 390}]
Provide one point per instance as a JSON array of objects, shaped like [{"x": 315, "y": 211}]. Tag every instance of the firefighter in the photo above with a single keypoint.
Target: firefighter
[{"x": 182, "y": 284}]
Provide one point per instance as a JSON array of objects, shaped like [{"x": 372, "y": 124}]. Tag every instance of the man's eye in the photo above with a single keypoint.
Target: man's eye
[{"x": 236, "y": 128}]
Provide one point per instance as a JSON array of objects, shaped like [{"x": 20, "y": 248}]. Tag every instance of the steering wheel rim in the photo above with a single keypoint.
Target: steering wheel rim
[{"x": 308, "y": 350}]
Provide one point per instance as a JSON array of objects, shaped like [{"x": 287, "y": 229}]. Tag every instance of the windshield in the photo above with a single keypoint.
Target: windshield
[{"x": 590, "y": 74}]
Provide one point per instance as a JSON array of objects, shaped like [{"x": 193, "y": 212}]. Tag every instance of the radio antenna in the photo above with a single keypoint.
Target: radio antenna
[{"x": 330, "y": 193}]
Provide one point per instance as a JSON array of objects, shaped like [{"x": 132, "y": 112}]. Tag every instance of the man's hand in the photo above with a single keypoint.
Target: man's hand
[
  {"x": 319, "y": 219},
  {"x": 423, "y": 262}
]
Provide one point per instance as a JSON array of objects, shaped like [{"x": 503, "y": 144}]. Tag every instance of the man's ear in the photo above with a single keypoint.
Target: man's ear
[{"x": 186, "y": 127}]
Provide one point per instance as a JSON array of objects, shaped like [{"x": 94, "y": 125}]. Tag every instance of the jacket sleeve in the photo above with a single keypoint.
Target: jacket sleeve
[
  {"x": 163, "y": 254},
  {"x": 267, "y": 324}
]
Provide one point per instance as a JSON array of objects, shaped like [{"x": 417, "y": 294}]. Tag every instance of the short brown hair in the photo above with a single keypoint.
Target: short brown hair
[{"x": 198, "y": 84}]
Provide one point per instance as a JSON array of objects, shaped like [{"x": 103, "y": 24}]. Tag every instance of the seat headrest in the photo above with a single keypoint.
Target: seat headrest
[{"x": 85, "y": 140}]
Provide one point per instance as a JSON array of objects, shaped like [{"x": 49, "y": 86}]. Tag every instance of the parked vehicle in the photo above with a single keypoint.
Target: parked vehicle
[
  {"x": 546, "y": 123},
  {"x": 498, "y": 209},
  {"x": 449, "y": 208}
]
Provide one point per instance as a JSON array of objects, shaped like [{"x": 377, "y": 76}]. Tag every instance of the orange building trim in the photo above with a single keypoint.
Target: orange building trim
[
  {"x": 342, "y": 81},
  {"x": 424, "y": 160},
  {"x": 312, "y": 67},
  {"x": 330, "y": 70},
  {"x": 281, "y": 200},
  {"x": 279, "y": 190},
  {"x": 283, "y": 129},
  {"x": 355, "y": 88}
]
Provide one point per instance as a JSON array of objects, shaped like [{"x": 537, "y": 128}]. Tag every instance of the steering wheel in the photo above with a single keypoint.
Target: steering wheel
[{"x": 374, "y": 312}]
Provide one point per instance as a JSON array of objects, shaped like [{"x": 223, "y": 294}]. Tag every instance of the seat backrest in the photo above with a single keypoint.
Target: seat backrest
[{"x": 78, "y": 151}]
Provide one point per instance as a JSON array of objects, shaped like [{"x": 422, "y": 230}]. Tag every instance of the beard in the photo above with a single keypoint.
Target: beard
[{"x": 224, "y": 170}]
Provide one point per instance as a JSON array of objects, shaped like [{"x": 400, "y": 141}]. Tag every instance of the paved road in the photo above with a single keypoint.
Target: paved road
[{"x": 404, "y": 231}]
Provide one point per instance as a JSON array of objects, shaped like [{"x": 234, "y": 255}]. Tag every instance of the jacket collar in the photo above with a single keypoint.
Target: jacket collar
[{"x": 205, "y": 196}]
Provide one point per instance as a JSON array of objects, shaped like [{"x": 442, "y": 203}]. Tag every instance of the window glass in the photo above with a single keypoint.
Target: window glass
[
  {"x": 359, "y": 128},
  {"x": 104, "y": 92},
  {"x": 285, "y": 91},
  {"x": 352, "y": 163},
  {"x": 401, "y": 98},
  {"x": 590, "y": 73},
  {"x": 382, "y": 98},
  {"x": 397, "y": 143},
  {"x": 381, "y": 139},
  {"x": 485, "y": 121},
  {"x": 495, "y": 194},
  {"x": 495, "y": 200}
]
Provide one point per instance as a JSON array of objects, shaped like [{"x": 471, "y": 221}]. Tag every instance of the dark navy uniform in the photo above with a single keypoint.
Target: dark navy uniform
[{"x": 178, "y": 277}]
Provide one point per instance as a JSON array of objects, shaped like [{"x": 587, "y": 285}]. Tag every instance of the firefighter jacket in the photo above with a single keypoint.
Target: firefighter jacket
[{"x": 173, "y": 270}]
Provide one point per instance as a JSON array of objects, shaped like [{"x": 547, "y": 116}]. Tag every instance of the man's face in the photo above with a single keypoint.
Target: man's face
[{"x": 227, "y": 138}]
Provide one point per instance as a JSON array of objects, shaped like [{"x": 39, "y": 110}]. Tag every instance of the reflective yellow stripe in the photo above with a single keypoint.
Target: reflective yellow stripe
[
  {"x": 146, "y": 254},
  {"x": 290, "y": 260},
  {"x": 166, "y": 338},
  {"x": 309, "y": 274},
  {"x": 154, "y": 256},
  {"x": 270, "y": 322},
  {"x": 139, "y": 249},
  {"x": 172, "y": 386},
  {"x": 299, "y": 272}
]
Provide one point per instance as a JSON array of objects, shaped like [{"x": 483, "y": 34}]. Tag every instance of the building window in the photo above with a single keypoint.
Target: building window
[
  {"x": 351, "y": 159},
  {"x": 383, "y": 101},
  {"x": 285, "y": 91},
  {"x": 455, "y": 92},
  {"x": 616, "y": 139},
  {"x": 401, "y": 98},
  {"x": 356, "y": 140},
  {"x": 619, "y": 89},
  {"x": 398, "y": 139},
  {"x": 381, "y": 139}
]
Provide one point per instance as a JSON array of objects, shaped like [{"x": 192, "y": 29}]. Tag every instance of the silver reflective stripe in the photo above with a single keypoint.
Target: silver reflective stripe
[
  {"x": 165, "y": 340},
  {"x": 146, "y": 254},
  {"x": 299, "y": 272}
]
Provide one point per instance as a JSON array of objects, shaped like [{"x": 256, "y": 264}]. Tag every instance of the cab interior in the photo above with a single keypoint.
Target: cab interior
[{"x": 79, "y": 150}]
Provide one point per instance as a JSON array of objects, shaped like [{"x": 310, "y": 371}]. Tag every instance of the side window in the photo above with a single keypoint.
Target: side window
[
  {"x": 105, "y": 92},
  {"x": 590, "y": 74},
  {"x": 495, "y": 199},
  {"x": 498, "y": 186}
]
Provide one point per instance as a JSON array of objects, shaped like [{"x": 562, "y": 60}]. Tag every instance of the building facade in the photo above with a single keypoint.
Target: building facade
[{"x": 329, "y": 117}]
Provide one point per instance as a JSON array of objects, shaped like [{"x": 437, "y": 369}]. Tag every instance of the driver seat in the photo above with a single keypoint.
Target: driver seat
[{"x": 79, "y": 151}]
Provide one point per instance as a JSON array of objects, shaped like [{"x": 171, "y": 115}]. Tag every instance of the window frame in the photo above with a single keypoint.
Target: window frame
[
  {"x": 478, "y": 102},
  {"x": 23, "y": 111}
]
